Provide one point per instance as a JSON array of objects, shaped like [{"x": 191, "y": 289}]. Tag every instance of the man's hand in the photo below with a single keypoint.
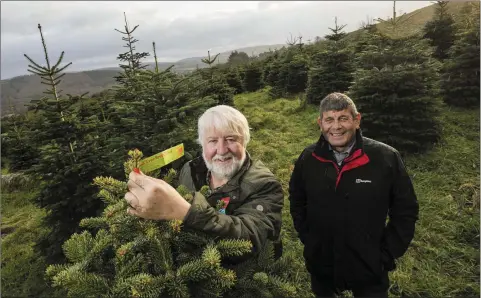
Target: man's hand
[{"x": 152, "y": 198}]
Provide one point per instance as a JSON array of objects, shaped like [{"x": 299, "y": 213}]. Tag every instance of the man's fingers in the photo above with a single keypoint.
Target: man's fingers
[
  {"x": 137, "y": 183},
  {"x": 155, "y": 180},
  {"x": 132, "y": 211},
  {"x": 132, "y": 200}
]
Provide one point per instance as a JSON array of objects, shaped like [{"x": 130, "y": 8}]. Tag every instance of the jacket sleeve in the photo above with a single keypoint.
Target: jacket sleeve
[
  {"x": 297, "y": 199},
  {"x": 257, "y": 220},
  {"x": 185, "y": 177},
  {"x": 403, "y": 214}
]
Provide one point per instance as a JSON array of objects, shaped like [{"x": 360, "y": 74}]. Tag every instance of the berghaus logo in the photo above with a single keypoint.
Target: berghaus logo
[{"x": 362, "y": 181}]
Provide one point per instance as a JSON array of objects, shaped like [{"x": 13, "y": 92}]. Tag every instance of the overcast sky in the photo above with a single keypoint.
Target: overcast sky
[{"x": 85, "y": 30}]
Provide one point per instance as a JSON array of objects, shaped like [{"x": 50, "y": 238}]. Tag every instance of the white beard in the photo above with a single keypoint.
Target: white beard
[{"x": 224, "y": 171}]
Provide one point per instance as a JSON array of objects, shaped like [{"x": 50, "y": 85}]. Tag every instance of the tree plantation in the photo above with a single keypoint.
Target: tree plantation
[{"x": 66, "y": 160}]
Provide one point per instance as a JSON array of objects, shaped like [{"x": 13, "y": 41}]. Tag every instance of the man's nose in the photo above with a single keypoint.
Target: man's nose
[
  {"x": 222, "y": 147},
  {"x": 337, "y": 124}
]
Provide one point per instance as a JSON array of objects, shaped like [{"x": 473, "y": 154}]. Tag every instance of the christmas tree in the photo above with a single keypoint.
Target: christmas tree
[
  {"x": 460, "y": 73},
  {"x": 288, "y": 73},
  {"x": 69, "y": 155},
  {"x": 440, "y": 31},
  {"x": 215, "y": 85},
  {"x": 395, "y": 89},
  {"x": 332, "y": 68},
  {"x": 119, "y": 255},
  {"x": 252, "y": 76}
]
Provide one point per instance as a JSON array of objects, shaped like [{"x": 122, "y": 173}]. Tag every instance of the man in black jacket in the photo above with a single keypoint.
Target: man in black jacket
[{"x": 341, "y": 191}]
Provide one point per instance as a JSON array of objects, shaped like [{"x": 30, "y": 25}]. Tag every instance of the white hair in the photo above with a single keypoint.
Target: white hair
[{"x": 225, "y": 119}]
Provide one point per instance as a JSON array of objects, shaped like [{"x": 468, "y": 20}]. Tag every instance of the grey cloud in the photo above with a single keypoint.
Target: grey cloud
[{"x": 86, "y": 32}]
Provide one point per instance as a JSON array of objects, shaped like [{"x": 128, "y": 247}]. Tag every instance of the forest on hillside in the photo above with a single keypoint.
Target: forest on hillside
[{"x": 400, "y": 81}]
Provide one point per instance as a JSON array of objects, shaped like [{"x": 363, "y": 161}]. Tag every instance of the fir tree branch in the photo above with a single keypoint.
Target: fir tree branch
[
  {"x": 44, "y": 69},
  {"x": 34, "y": 72},
  {"x": 234, "y": 247}
]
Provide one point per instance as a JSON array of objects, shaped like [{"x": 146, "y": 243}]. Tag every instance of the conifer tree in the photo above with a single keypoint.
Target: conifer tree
[
  {"x": 70, "y": 156},
  {"x": 395, "y": 89},
  {"x": 131, "y": 77},
  {"x": 267, "y": 76},
  {"x": 440, "y": 31},
  {"x": 237, "y": 58},
  {"x": 209, "y": 61},
  {"x": 128, "y": 105},
  {"x": 332, "y": 67},
  {"x": 119, "y": 255},
  {"x": 147, "y": 111},
  {"x": 460, "y": 78},
  {"x": 337, "y": 33},
  {"x": 54, "y": 107},
  {"x": 252, "y": 76},
  {"x": 16, "y": 146},
  {"x": 275, "y": 78},
  {"x": 233, "y": 79},
  {"x": 297, "y": 74},
  {"x": 289, "y": 73},
  {"x": 216, "y": 85}
]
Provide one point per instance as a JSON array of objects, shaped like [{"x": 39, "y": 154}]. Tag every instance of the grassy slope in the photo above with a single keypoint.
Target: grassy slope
[
  {"x": 413, "y": 22},
  {"x": 444, "y": 257}
]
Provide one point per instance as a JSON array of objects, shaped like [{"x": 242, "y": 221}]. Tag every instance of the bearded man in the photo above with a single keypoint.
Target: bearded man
[{"x": 252, "y": 196}]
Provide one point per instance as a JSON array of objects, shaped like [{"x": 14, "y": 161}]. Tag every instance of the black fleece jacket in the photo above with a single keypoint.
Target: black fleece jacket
[{"x": 340, "y": 212}]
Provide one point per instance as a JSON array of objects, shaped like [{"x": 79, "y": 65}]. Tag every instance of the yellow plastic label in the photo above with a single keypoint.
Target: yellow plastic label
[{"x": 161, "y": 159}]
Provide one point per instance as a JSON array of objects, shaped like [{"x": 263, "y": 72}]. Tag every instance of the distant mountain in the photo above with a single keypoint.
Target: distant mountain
[
  {"x": 22, "y": 89},
  {"x": 191, "y": 63}
]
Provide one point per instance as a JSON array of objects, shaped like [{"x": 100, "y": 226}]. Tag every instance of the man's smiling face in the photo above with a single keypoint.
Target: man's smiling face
[
  {"x": 223, "y": 153},
  {"x": 339, "y": 127}
]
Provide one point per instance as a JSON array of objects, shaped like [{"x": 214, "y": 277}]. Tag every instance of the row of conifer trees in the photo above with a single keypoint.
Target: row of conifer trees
[{"x": 66, "y": 142}]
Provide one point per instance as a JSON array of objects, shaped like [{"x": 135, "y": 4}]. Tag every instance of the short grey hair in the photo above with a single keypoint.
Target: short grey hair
[
  {"x": 225, "y": 119},
  {"x": 337, "y": 102}
]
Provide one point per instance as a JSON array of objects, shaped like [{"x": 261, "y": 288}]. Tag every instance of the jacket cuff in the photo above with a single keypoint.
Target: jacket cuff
[
  {"x": 387, "y": 260},
  {"x": 198, "y": 206}
]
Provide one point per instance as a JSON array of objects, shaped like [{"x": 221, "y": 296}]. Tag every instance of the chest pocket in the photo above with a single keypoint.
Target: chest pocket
[{"x": 368, "y": 186}]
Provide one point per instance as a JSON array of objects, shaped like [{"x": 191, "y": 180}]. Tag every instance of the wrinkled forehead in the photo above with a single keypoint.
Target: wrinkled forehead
[
  {"x": 336, "y": 114},
  {"x": 220, "y": 132}
]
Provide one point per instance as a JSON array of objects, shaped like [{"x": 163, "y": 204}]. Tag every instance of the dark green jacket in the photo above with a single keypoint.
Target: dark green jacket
[{"x": 254, "y": 211}]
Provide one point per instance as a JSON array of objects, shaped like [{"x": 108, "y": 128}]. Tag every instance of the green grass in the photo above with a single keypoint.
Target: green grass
[
  {"x": 443, "y": 259},
  {"x": 279, "y": 133},
  {"x": 413, "y": 22}
]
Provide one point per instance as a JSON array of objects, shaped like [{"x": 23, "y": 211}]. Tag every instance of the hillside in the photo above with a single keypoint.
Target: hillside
[
  {"x": 443, "y": 260},
  {"x": 22, "y": 89},
  {"x": 414, "y": 21}
]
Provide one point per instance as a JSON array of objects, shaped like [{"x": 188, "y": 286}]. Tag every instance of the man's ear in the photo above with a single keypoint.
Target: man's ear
[
  {"x": 358, "y": 120},
  {"x": 319, "y": 122}
]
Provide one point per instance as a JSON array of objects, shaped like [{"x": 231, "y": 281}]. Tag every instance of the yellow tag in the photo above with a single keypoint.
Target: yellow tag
[{"x": 161, "y": 159}]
